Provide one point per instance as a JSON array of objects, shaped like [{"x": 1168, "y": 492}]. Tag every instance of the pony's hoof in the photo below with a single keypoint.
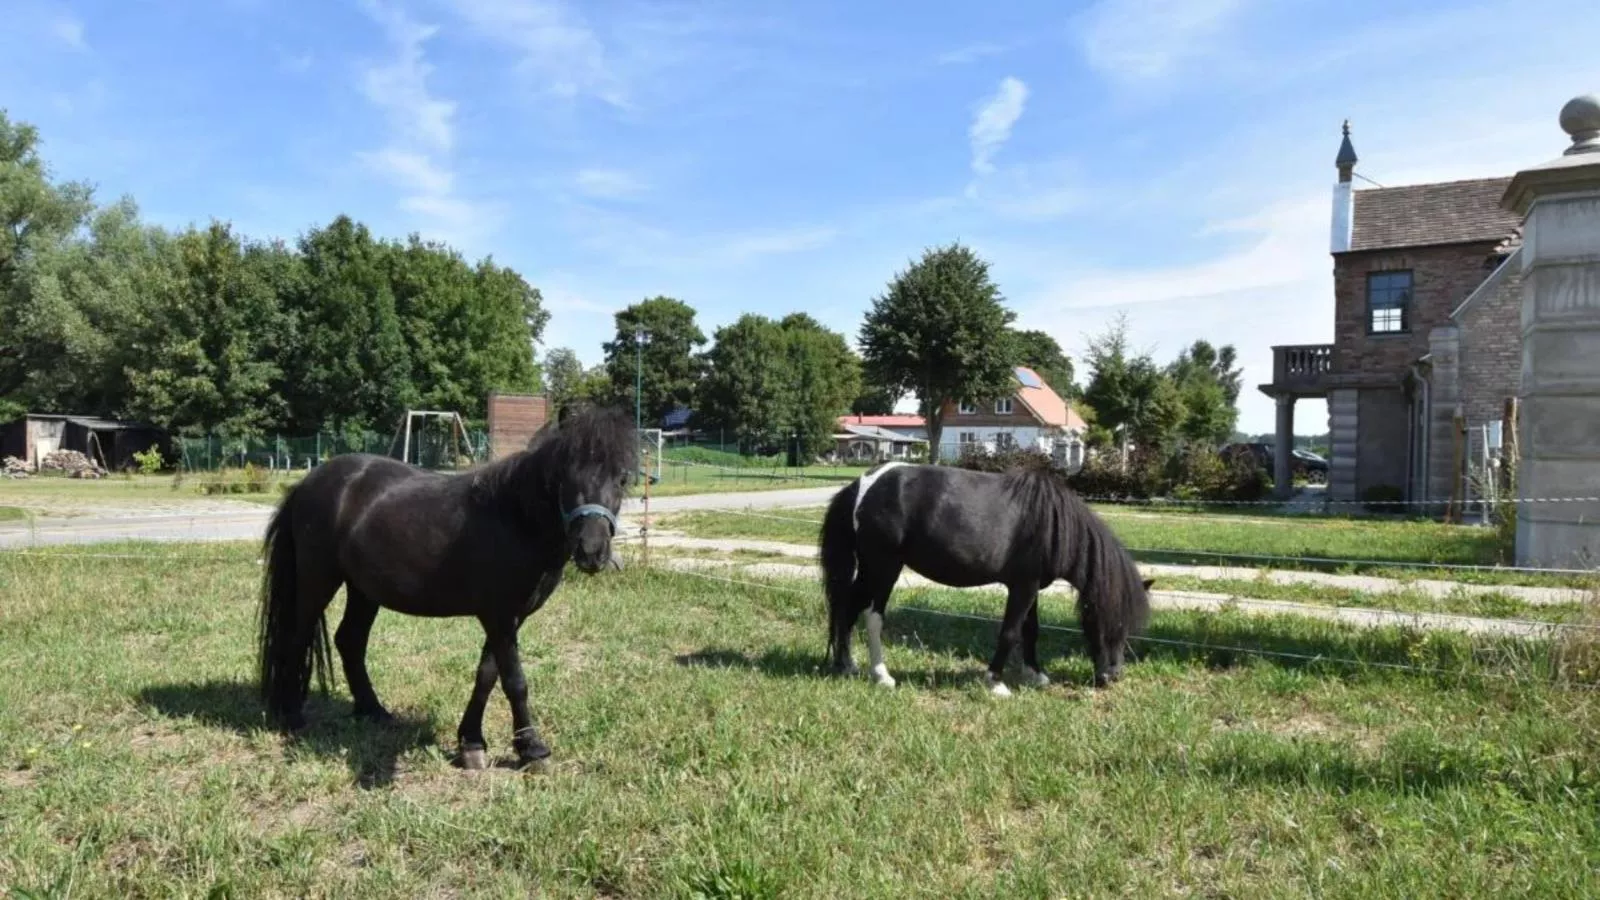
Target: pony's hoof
[
  {"x": 881, "y": 677},
  {"x": 1103, "y": 680},
  {"x": 849, "y": 671},
  {"x": 997, "y": 688},
  {"x": 1037, "y": 678},
  {"x": 475, "y": 759}
]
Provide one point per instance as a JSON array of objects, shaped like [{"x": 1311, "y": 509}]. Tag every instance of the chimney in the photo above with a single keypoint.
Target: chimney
[{"x": 1343, "y": 195}]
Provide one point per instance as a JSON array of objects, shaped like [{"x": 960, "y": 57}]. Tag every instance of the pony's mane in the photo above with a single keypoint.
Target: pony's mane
[
  {"x": 1077, "y": 543},
  {"x": 598, "y": 436}
]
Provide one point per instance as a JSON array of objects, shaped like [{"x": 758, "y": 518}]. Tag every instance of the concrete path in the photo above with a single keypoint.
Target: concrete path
[
  {"x": 246, "y": 522},
  {"x": 1159, "y": 599},
  {"x": 1365, "y": 583}
]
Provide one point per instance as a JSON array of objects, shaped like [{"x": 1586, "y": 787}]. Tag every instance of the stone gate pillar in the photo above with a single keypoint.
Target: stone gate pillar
[{"x": 1560, "y": 418}]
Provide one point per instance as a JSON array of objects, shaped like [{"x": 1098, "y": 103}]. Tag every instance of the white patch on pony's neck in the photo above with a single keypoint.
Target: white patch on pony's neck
[{"x": 864, "y": 484}]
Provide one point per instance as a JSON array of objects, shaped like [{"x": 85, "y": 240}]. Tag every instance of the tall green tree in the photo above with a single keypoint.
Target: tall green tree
[
  {"x": 874, "y": 401},
  {"x": 348, "y": 368},
  {"x": 1131, "y": 392},
  {"x": 669, "y": 362},
  {"x": 1208, "y": 381},
  {"x": 822, "y": 376},
  {"x": 1040, "y": 352},
  {"x": 745, "y": 391},
  {"x": 41, "y": 330},
  {"x": 939, "y": 332},
  {"x": 200, "y": 358},
  {"x": 563, "y": 376}
]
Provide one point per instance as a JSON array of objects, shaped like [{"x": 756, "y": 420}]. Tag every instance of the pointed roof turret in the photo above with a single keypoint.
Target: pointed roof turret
[{"x": 1346, "y": 160}]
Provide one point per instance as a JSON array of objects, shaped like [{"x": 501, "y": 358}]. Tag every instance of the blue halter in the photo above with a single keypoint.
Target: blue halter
[{"x": 591, "y": 509}]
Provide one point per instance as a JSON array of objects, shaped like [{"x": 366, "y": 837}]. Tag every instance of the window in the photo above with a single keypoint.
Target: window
[
  {"x": 1002, "y": 407},
  {"x": 967, "y": 408},
  {"x": 967, "y": 438},
  {"x": 1388, "y": 302},
  {"x": 1005, "y": 441}
]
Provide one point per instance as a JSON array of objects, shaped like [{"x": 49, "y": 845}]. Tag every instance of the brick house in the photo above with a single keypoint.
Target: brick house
[
  {"x": 1427, "y": 336},
  {"x": 1032, "y": 416}
]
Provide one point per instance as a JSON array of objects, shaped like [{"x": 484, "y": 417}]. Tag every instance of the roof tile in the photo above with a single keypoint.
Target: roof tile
[{"x": 1451, "y": 212}]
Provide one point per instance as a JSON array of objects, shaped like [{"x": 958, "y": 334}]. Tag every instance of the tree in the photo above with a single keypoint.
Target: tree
[
  {"x": 670, "y": 367},
  {"x": 1209, "y": 384},
  {"x": 349, "y": 369},
  {"x": 1040, "y": 352},
  {"x": 744, "y": 390},
  {"x": 874, "y": 401},
  {"x": 563, "y": 376},
  {"x": 939, "y": 332},
  {"x": 1131, "y": 392},
  {"x": 40, "y": 329},
  {"x": 822, "y": 375},
  {"x": 199, "y": 363}
]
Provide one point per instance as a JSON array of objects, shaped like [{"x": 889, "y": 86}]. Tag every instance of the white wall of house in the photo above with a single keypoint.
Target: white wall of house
[{"x": 991, "y": 437}]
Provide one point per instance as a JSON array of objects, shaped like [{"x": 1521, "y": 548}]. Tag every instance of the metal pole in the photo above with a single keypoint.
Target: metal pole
[{"x": 638, "y": 379}]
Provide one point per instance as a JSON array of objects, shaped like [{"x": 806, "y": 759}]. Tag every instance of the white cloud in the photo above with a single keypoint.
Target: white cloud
[
  {"x": 400, "y": 88},
  {"x": 69, "y": 31},
  {"x": 743, "y": 248},
  {"x": 553, "y": 42},
  {"x": 609, "y": 184},
  {"x": 416, "y": 159},
  {"x": 971, "y": 53},
  {"x": 1140, "y": 40},
  {"x": 992, "y": 123}
]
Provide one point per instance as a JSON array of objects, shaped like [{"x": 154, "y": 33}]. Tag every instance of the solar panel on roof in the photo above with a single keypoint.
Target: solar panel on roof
[{"x": 1028, "y": 379}]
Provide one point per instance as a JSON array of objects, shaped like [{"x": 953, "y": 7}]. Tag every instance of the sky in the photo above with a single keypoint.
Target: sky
[{"x": 1166, "y": 160}]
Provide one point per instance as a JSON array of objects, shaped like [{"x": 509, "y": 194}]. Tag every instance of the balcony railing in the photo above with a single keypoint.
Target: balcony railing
[{"x": 1304, "y": 366}]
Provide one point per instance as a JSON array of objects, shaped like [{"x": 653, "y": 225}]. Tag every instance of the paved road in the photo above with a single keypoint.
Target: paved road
[{"x": 247, "y": 522}]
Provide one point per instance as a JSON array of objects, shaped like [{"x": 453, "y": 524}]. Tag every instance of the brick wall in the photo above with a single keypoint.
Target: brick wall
[
  {"x": 513, "y": 420},
  {"x": 1491, "y": 351},
  {"x": 1441, "y": 278}
]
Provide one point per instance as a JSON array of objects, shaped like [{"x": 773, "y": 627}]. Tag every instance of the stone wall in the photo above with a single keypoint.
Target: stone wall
[
  {"x": 513, "y": 420},
  {"x": 1382, "y": 434}
]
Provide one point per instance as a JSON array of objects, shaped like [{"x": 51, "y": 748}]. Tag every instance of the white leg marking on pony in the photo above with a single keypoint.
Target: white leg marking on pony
[
  {"x": 880, "y": 672},
  {"x": 1036, "y": 678},
  {"x": 996, "y": 686}
]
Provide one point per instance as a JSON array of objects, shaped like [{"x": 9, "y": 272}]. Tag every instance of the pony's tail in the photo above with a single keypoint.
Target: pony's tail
[
  {"x": 838, "y": 557},
  {"x": 284, "y": 669}
]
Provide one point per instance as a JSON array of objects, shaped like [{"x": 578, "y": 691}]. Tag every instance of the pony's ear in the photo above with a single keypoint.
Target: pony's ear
[{"x": 1148, "y": 582}]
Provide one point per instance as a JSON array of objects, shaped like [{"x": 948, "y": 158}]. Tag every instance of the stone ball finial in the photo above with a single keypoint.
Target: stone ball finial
[{"x": 1580, "y": 118}]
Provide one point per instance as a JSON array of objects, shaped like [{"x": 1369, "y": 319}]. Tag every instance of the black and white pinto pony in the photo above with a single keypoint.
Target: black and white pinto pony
[
  {"x": 965, "y": 528},
  {"x": 491, "y": 543}
]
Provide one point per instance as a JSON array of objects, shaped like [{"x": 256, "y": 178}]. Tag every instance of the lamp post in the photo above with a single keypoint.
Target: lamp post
[{"x": 640, "y": 337}]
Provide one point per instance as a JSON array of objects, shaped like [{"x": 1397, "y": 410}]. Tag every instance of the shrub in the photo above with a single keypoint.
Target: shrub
[
  {"x": 150, "y": 461},
  {"x": 255, "y": 479}
]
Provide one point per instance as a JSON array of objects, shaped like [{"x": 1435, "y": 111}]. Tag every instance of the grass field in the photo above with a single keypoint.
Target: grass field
[
  {"x": 1375, "y": 546},
  {"x": 57, "y": 496},
  {"x": 698, "y": 754}
]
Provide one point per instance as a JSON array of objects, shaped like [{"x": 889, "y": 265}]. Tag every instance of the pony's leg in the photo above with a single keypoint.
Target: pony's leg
[
  {"x": 1030, "y": 648},
  {"x": 524, "y": 737},
  {"x": 1094, "y": 638},
  {"x": 876, "y": 588},
  {"x": 469, "y": 735},
  {"x": 351, "y": 639},
  {"x": 313, "y": 593},
  {"x": 1018, "y": 602}
]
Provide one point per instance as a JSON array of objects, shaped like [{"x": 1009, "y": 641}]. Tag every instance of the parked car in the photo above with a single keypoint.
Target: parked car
[{"x": 1307, "y": 465}]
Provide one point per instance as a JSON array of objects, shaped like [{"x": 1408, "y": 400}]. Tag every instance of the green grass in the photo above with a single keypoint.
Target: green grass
[
  {"x": 1390, "y": 548},
  {"x": 13, "y": 514},
  {"x": 698, "y": 754},
  {"x": 678, "y": 479}
]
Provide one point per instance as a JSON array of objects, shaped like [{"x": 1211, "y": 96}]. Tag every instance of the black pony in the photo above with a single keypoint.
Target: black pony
[
  {"x": 965, "y": 528},
  {"x": 491, "y": 543}
]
